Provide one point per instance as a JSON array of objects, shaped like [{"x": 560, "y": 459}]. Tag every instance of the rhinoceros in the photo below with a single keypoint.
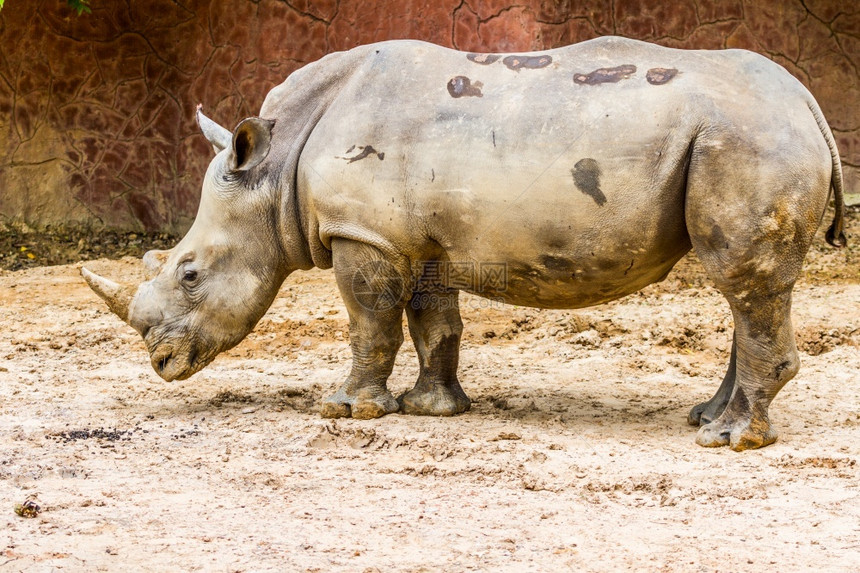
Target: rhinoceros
[{"x": 556, "y": 179}]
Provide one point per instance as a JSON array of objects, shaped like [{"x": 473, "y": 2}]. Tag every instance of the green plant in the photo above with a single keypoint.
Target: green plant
[{"x": 79, "y": 6}]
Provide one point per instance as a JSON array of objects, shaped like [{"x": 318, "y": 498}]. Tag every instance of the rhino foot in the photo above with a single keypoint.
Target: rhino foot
[
  {"x": 706, "y": 412},
  {"x": 434, "y": 400},
  {"x": 339, "y": 405},
  {"x": 737, "y": 433}
]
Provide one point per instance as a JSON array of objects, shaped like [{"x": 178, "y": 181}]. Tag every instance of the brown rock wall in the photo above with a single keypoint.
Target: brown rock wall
[{"x": 96, "y": 111}]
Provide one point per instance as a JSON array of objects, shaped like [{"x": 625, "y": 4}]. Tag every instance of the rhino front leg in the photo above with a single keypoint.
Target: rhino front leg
[
  {"x": 375, "y": 292},
  {"x": 435, "y": 328},
  {"x": 707, "y": 412}
]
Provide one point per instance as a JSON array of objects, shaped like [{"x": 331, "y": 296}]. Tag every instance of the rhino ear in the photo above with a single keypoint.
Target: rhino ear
[
  {"x": 251, "y": 141},
  {"x": 218, "y": 136}
]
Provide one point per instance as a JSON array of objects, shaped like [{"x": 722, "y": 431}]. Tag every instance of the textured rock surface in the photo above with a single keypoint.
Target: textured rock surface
[{"x": 96, "y": 112}]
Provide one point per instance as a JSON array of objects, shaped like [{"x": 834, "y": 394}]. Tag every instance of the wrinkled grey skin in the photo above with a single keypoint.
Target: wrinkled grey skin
[{"x": 588, "y": 171}]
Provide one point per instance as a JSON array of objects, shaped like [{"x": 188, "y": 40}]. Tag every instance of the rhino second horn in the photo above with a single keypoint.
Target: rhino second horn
[
  {"x": 118, "y": 297},
  {"x": 153, "y": 261},
  {"x": 219, "y": 137}
]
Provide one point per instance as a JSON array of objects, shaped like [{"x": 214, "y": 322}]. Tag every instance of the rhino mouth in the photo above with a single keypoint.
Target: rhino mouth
[{"x": 172, "y": 364}]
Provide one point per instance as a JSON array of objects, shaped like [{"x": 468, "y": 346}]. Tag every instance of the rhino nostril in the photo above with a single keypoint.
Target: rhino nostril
[{"x": 162, "y": 364}]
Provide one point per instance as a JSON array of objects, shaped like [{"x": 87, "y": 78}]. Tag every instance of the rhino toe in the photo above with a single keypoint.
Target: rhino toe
[
  {"x": 738, "y": 433},
  {"x": 360, "y": 407},
  {"x": 374, "y": 408},
  {"x": 713, "y": 436},
  {"x": 435, "y": 400},
  {"x": 331, "y": 409}
]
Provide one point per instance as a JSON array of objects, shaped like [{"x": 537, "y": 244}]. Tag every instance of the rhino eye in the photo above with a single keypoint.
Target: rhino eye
[{"x": 189, "y": 276}]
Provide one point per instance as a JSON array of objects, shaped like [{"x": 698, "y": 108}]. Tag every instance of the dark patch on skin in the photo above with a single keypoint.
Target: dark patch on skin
[
  {"x": 557, "y": 244},
  {"x": 556, "y": 263},
  {"x": 660, "y": 76},
  {"x": 254, "y": 178},
  {"x": 519, "y": 270},
  {"x": 461, "y": 86},
  {"x": 483, "y": 59},
  {"x": 741, "y": 402},
  {"x": 432, "y": 177},
  {"x": 605, "y": 75},
  {"x": 494, "y": 138},
  {"x": 442, "y": 355},
  {"x": 586, "y": 177},
  {"x": 717, "y": 238},
  {"x": 555, "y": 237},
  {"x": 366, "y": 151},
  {"x": 518, "y": 63},
  {"x": 630, "y": 267},
  {"x": 606, "y": 264}
]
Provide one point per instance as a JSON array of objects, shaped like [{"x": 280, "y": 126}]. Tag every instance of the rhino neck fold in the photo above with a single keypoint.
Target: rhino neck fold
[
  {"x": 292, "y": 231},
  {"x": 298, "y": 104}
]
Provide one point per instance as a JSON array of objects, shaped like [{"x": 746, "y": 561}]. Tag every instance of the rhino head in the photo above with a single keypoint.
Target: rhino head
[{"x": 207, "y": 293}]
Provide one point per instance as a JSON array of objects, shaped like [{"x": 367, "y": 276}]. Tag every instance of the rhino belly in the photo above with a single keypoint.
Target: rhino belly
[{"x": 552, "y": 281}]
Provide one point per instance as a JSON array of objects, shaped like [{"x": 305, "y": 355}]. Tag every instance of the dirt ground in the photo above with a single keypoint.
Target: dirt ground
[{"x": 575, "y": 455}]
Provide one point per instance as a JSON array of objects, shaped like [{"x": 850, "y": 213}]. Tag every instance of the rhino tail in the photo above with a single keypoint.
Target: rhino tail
[{"x": 834, "y": 235}]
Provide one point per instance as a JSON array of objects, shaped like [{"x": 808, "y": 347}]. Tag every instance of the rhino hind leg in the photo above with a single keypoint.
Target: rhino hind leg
[
  {"x": 707, "y": 412},
  {"x": 766, "y": 359},
  {"x": 373, "y": 291},
  {"x": 765, "y": 354},
  {"x": 756, "y": 274},
  {"x": 435, "y": 328},
  {"x": 752, "y": 210}
]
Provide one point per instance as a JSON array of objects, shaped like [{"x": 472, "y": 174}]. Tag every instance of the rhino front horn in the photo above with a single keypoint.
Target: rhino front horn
[{"x": 118, "y": 297}]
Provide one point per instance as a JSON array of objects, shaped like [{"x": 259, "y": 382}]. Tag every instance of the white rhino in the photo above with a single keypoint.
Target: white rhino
[{"x": 559, "y": 179}]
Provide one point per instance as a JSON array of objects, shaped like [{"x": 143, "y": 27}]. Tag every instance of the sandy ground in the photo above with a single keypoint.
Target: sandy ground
[{"x": 576, "y": 454}]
